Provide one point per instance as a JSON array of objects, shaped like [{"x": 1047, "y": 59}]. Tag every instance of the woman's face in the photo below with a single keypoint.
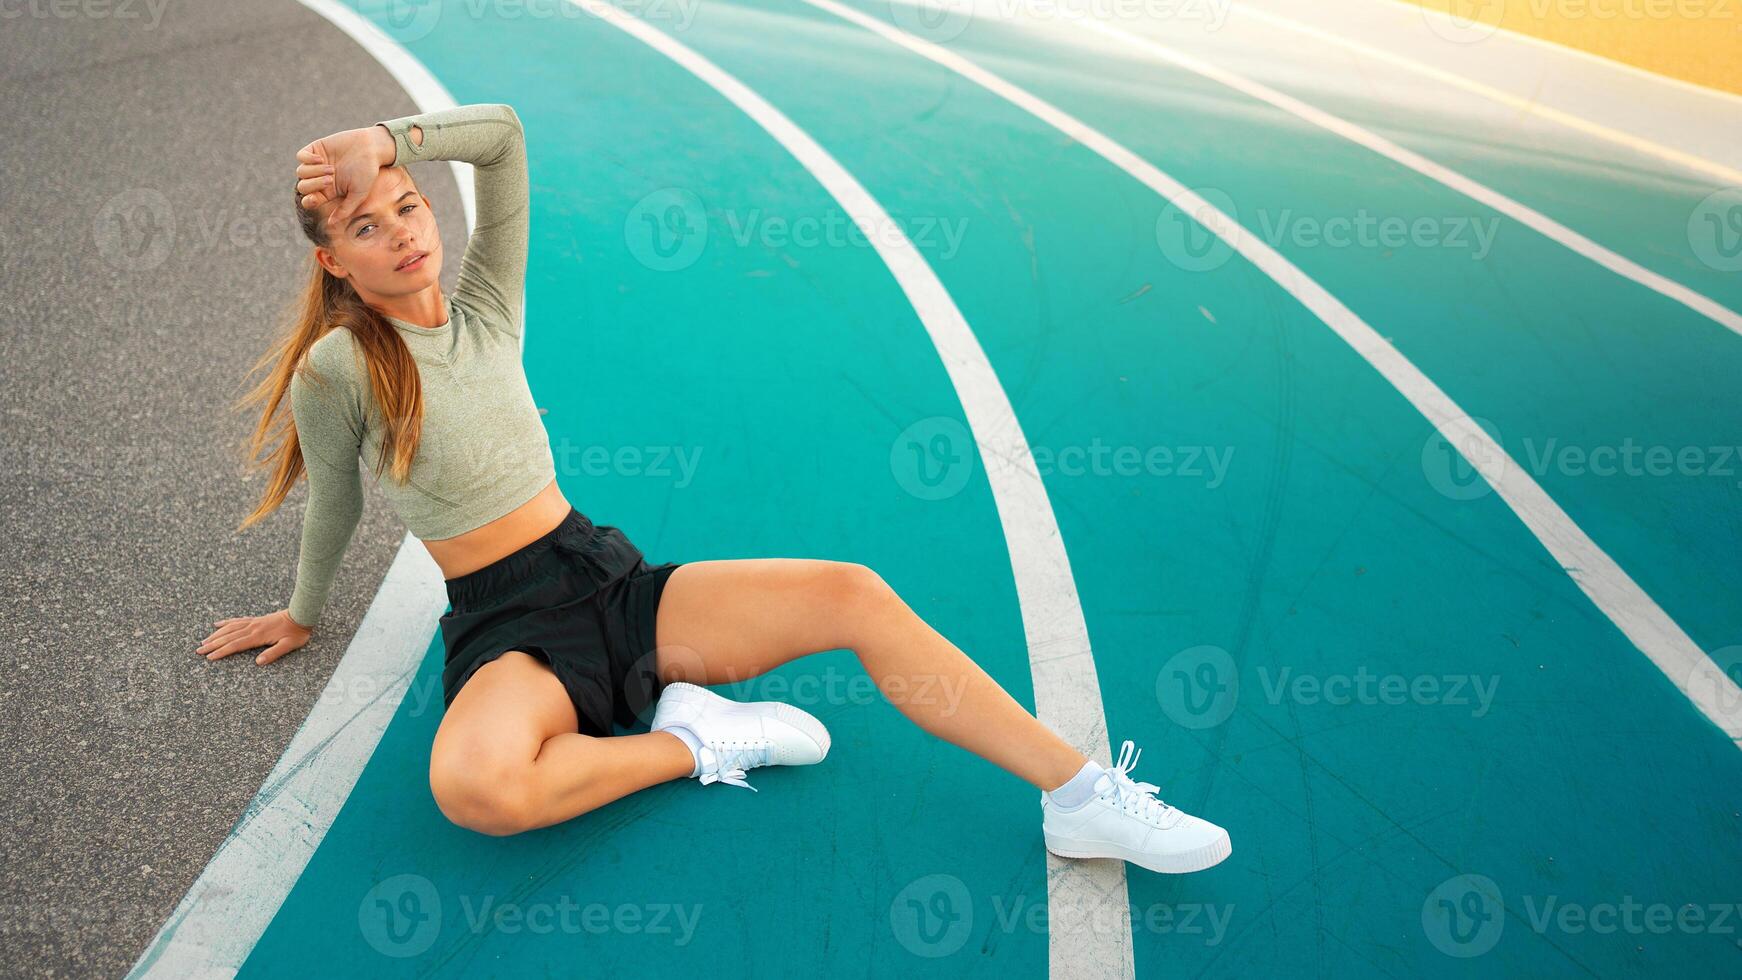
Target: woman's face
[{"x": 389, "y": 246}]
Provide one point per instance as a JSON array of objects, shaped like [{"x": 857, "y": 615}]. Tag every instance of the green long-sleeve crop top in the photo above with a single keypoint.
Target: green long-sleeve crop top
[{"x": 483, "y": 450}]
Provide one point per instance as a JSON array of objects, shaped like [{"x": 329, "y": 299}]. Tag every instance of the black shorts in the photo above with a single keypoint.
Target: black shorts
[{"x": 583, "y": 600}]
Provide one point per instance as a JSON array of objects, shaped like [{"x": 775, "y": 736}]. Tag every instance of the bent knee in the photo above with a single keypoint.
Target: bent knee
[
  {"x": 490, "y": 799},
  {"x": 849, "y": 588}
]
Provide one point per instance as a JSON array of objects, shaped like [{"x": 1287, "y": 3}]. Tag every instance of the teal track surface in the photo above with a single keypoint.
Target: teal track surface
[{"x": 1308, "y": 539}]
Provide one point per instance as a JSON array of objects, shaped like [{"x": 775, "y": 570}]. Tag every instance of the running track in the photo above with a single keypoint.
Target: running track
[{"x": 1437, "y": 749}]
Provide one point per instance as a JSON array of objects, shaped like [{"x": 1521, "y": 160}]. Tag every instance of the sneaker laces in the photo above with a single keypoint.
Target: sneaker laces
[
  {"x": 1126, "y": 793},
  {"x": 725, "y": 762}
]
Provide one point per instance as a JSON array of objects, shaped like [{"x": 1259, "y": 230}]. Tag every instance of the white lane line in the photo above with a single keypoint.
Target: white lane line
[
  {"x": 1620, "y": 598},
  {"x": 1092, "y": 936},
  {"x": 225, "y": 912},
  {"x": 1523, "y": 214},
  {"x": 1519, "y": 104},
  {"x": 228, "y": 907},
  {"x": 1482, "y": 193}
]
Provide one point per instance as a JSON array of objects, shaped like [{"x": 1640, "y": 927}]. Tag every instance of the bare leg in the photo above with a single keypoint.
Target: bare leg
[
  {"x": 508, "y": 756},
  {"x": 725, "y": 621}
]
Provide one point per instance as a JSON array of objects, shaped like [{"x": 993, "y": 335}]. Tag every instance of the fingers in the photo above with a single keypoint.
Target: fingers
[
  {"x": 244, "y": 641},
  {"x": 275, "y": 651},
  {"x": 246, "y": 633},
  {"x": 222, "y": 634},
  {"x": 311, "y": 185},
  {"x": 313, "y": 169}
]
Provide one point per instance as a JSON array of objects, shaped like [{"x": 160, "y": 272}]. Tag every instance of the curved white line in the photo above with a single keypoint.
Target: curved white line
[
  {"x": 225, "y": 912},
  {"x": 1591, "y": 569},
  {"x": 1519, "y": 104},
  {"x": 228, "y": 908},
  {"x": 1475, "y": 190},
  {"x": 1094, "y": 940}
]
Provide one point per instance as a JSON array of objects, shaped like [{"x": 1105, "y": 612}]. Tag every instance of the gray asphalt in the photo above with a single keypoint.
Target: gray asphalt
[{"x": 147, "y": 253}]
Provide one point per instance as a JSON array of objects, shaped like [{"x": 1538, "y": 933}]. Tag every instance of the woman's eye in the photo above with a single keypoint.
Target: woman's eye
[
  {"x": 364, "y": 230},
  {"x": 408, "y": 207}
]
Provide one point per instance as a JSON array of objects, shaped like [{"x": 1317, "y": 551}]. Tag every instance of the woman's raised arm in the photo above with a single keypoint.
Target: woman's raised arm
[{"x": 488, "y": 136}]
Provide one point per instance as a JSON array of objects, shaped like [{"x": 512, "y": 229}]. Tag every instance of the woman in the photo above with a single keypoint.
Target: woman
[{"x": 559, "y": 627}]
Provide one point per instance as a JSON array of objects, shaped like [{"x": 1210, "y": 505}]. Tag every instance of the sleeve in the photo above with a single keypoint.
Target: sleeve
[
  {"x": 327, "y": 413},
  {"x": 488, "y": 136}
]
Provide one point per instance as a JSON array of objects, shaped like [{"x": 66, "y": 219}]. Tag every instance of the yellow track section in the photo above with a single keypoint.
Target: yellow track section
[{"x": 1698, "y": 41}]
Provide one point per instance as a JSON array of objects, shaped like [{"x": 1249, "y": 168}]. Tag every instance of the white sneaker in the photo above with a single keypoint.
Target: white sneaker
[
  {"x": 740, "y": 735},
  {"x": 1125, "y": 820}
]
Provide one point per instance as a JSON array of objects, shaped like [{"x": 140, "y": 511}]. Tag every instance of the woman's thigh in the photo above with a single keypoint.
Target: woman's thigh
[
  {"x": 500, "y": 719},
  {"x": 720, "y": 622}
]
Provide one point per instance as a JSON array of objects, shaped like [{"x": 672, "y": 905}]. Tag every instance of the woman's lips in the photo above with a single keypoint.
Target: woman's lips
[{"x": 414, "y": 263}]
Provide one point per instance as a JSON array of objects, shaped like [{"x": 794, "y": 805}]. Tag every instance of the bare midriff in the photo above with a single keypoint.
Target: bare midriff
[{"x": 465, "y": 553}]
